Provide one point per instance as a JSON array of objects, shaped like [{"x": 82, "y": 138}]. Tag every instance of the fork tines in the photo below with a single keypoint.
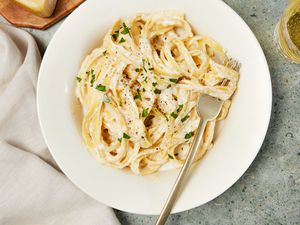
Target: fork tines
[{"x": 233, "y": 64}]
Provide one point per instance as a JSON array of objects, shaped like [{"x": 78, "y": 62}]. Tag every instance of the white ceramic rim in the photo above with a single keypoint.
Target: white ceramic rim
[{"x": 126, "y": 200}]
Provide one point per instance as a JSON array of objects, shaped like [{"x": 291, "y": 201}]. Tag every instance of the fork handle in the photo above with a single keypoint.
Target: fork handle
[{"x": 182, "y": 175}]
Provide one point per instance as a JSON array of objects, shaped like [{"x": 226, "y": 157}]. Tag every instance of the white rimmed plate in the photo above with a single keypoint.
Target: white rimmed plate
[{"x": 237, "y": 143}]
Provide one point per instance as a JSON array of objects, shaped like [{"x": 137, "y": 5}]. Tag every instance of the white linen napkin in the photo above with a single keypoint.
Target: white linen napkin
[{"x": 32, "y": 190}]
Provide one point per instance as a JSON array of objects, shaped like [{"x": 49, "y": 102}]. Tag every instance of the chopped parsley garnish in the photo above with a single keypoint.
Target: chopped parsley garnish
[
  {"x": 145, "y": 112},
  {"x": 143, "y": 60},
  {"x": 173, "y": 80},
  {"x": 189, "y": 135},
  {"x": 126, "y": 136},
  {"x": 122, "y": 40},
  {"x": 101, "y": 87},
  {"x": 93, "y": 77},
  {"x": 185, "y": 118},
  {"x": 146, "y": 79},
  {"x": 169, "y": 86},
  {"x": 137, "y": 70},
  {"x": 115, "y": 35},
  {"x": 166, "y": 117},
  {"x": 138, "y": 95},
  {"x": 174, "y": 115},
  {"x": 170, "y": 156},
  {"x": 120, "y": 103},
  {"x": 125, "y": 29},
  {"x": 157, "y": 91},
  {"x": 120, "y": 140},
  {"x": 105, "y": 52},
  {"x": 144, "y": 89},
  {"x": 106, "y": 99},
  {"x": 176, "y": 154},
  {"x": 78, "y": 79},
  {"x": 179, "y": 108},
  {"x": 154, "y": 84}
]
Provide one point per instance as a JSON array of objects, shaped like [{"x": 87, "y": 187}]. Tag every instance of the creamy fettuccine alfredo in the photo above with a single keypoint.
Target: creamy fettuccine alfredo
[{"x": 139, "y": 90}]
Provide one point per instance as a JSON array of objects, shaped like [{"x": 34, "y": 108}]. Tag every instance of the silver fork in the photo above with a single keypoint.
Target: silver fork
[
  {"x": 208, "y": 108},
  {"x": 233, "y": 64}
]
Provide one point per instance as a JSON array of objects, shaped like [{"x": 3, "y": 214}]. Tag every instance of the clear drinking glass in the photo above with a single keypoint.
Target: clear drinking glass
[{"x": 287, "y": 32}]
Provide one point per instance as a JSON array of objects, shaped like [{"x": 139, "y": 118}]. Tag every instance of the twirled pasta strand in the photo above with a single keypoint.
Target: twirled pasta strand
[{"x": 139, "y": 90}]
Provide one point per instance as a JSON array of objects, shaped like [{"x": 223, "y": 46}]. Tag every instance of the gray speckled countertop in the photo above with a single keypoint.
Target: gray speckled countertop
[{"x": 269, "y": 192}]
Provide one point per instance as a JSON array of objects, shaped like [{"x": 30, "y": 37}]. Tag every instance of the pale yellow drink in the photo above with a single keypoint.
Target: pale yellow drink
[{"x": 288, "y": 31}]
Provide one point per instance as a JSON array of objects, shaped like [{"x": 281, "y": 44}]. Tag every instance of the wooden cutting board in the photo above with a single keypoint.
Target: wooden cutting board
[{"x": 19, "y": 17}]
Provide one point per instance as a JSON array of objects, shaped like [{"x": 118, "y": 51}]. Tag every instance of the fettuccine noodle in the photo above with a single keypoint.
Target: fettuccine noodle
[{"x": 138, "y": 91}]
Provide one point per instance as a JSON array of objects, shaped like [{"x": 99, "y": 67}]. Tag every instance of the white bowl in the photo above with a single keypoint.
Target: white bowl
[{"x": 235, "y": 147}]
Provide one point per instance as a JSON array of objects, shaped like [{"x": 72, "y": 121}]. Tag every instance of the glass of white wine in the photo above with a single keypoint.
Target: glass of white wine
[{"x": 287, "y": 32}]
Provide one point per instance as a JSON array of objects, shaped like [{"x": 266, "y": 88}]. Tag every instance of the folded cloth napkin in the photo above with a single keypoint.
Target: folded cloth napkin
[{"x": 32, "y": 189}]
